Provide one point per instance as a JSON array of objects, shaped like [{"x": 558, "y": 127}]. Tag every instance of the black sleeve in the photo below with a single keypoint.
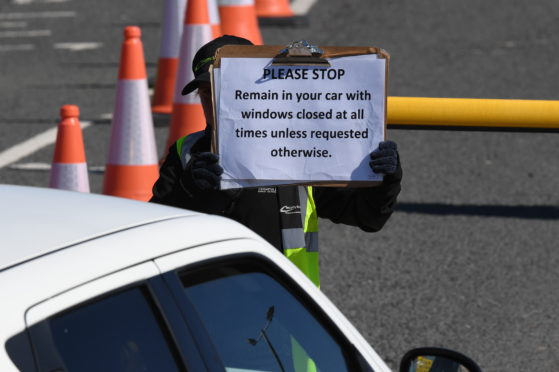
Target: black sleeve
[{"x": 368, "y": 208}]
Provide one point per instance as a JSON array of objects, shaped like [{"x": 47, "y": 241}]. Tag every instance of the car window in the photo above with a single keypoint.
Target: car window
[
  {"x": 257, "y": 324},
  {"x": 119, "y": 332}
]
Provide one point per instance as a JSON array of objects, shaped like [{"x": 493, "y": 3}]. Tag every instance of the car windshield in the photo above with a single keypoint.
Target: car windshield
[{"x": 257, "y": 324}]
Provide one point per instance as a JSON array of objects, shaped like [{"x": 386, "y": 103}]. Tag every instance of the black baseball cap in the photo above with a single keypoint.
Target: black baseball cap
[{"x": 205, "y": 57}]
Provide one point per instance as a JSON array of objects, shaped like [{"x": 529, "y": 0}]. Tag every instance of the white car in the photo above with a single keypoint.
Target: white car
[{"x": 97, "y": 283}]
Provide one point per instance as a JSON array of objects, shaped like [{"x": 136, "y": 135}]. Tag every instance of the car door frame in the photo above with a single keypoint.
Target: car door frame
[
  {"x": 144, "y": 275},
  {"x": 170, "y": 265}
]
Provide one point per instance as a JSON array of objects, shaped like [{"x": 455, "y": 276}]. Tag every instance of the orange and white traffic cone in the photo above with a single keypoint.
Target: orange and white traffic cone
[
  {"x": 69, "y": 168},
  {"x": 173, "y": 20},
  {"x": 188, "y": 115},
  {"x": 215, "y": 20},
  {"x": 238, "y": 18},
  {"x": 132, "y": 166},
  {"x": 273, "y": 9}
]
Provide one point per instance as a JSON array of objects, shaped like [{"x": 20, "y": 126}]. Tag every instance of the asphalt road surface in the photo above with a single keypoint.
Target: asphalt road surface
[{"x": 469, "y": 261}]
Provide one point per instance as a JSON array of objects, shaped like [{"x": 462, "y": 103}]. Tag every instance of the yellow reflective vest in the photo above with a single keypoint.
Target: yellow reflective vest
[{"x": 299, "y": 235}]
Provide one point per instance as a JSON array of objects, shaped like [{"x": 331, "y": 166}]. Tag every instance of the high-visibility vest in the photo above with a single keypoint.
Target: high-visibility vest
[{"x": 299, "y": 235}]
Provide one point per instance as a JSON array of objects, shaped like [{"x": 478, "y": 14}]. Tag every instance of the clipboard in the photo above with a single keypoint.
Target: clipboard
[{"x": 299, "y": 53}]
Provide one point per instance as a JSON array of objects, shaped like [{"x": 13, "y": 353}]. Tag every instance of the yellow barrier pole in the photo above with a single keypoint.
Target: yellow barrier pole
[{"x": 473, "y": 113}]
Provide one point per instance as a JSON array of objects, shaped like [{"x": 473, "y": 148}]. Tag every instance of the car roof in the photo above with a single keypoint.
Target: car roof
[{"x": 36, "y": 221}]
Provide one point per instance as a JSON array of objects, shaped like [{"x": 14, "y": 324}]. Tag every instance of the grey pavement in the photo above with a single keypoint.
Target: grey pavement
[{"x": 470, "y": 259}]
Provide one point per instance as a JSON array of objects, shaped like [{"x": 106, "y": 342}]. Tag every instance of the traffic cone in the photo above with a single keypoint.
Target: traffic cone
[
  {"x": 215, "y": 20},
  {"x": 238, "y": 17},
  {"x": 273, "y": 9},
  {"x": 69, "y": 168},
  {"x": 188, "y": 115},
  {"x": 132, "y": 167},
  {"x": 173, "y": 20}
]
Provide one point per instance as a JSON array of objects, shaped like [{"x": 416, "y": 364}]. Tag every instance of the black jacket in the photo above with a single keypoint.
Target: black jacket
[{"x": 258, "y": 208}]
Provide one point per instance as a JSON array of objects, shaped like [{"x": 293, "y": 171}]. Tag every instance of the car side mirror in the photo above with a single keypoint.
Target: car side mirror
[{"x": 432, "y": 359}]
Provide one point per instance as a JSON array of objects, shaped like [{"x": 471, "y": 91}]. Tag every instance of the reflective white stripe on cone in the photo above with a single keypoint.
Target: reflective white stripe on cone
[
  {"x": 132, "y": 135},
  {"x": 72, "y": 177}
]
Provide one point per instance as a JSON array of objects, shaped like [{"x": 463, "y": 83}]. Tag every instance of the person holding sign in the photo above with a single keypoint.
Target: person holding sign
[{"x": 286, "y": 216}]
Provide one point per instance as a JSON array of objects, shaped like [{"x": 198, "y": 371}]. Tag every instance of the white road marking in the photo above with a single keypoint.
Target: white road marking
[
  {"x": 13, "y": 24},
  {"x": 31, "y": 166},
  {"x": 77, "y": 47},
  {"x": 96, "y": 168},
  {"x": 30, "y": 33},
  {"x": 16, "y": 47},
  {"x": 31, "y": 15},
  {"x": 32, "y": 145},
  {"x": 25, "y": 2},
  {"x": 302, "y": 7},
  {"x": 48, "y": 166}
]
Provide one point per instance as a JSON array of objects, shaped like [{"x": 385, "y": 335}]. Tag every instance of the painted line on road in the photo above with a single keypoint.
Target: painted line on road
[
  {"x": 302, "y": 7},
  {"x": 31, "y": 15},
  {"x": 47, "y": 166},
  {"x": 16, "y": 47},
  {"x": 78, "y": 47},
  {"x": 30, "y": 33},
  {"x": 25, "y": 2},
  {"x": 32, "y": 145},
  {"x": 13, "y": 24},
  {"x": 31, "y": 166}
]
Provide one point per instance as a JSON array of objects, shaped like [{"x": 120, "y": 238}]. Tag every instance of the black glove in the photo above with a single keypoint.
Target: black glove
[
  {"x": 202, "y": 173},
  {"x": 386, "y": 160}
]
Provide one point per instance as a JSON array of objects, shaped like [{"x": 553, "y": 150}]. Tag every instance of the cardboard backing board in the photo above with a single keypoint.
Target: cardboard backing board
[{"x": 274, "y": 53}]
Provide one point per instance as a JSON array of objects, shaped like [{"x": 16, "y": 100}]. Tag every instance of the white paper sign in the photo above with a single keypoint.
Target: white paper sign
[{"x": 299, "y": 124}]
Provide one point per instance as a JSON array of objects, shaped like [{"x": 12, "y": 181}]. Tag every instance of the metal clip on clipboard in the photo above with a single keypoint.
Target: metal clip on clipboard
[{"x": 300, "y": 53}]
